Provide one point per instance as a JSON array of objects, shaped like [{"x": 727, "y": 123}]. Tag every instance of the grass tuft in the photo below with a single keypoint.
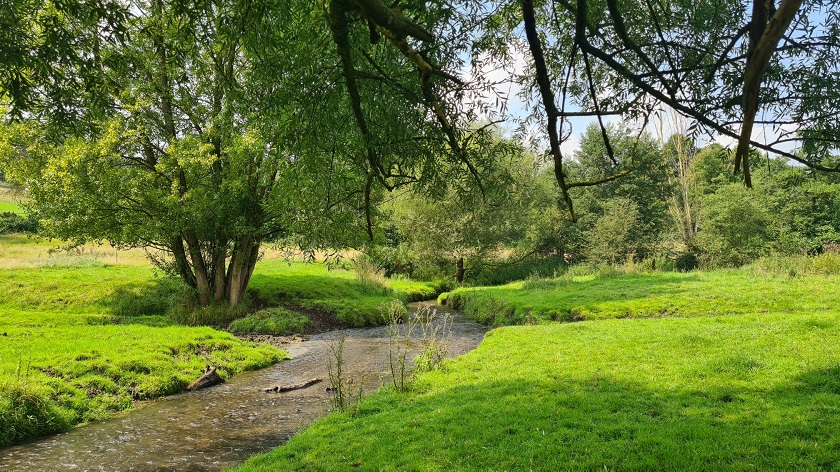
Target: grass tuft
[{"x": 271, "y": 321}]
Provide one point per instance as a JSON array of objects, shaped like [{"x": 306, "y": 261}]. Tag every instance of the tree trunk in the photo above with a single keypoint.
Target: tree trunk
[
  {"x": 183, "y": 268},
  {"x": 242, "y": 263},
  {"x": 202, "y": 281},
  {"x": 219, "y": 276},
  {"x": 459, "y": 270}
]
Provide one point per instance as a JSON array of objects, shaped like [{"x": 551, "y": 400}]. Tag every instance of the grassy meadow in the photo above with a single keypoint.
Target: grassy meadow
[
  {"x": 88, "y": 332},
  {"x": 727, "y": 369},
  {"x": 593, "y": 295},
  {"x": 7, "y": 199}
]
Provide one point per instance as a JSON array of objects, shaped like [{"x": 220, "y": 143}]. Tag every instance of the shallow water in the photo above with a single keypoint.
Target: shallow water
[{"x": 222, "y": 426}]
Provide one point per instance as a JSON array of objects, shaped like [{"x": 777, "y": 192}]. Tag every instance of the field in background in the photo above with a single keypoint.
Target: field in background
[{"x": 8, "y": 199}]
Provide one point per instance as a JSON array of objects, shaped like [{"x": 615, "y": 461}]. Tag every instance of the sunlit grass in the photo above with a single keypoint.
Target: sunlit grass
[
  {"x": 85, "y": 333},
  {"x": 758, "y": 391},
  {"x": 646, "y": 295},
  {"x": 336, "y": 290},
  {"x": 81, "y": 338},
  {"x": 719, "y": 370}
]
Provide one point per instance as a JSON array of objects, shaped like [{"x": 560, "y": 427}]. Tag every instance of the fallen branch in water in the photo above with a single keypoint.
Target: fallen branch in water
[
  {"x": 287, "y": 388},
  {"x": 209, "y": 379}
]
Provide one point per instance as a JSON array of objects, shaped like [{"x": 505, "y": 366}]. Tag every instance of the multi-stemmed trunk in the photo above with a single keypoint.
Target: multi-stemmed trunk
[{"x": 219, "y": 272}]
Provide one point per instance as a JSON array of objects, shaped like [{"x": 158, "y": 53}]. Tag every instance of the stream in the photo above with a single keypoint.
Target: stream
[{"x": 220, "y": 427}]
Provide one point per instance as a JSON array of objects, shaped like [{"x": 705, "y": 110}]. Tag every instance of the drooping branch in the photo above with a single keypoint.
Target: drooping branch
[
  {"x": 392, "y": 20},
  {"x": 341, "y": 37},
  {"x": 621, "y": 29},
  {"x": 678, "y": 105},
  {"x": 426, "y": 71},
  {"x": 552, "y": 114},
  {"x": 594, "y": 96},
  {"x": 763, "y": 42},
  {"x": 544, "y": 84}
]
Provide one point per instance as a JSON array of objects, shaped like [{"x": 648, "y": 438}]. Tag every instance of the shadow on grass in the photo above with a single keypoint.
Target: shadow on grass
[
  {"x": 148, "y": 303},
  {"x": 311, "y": 287},
  {"x": 563, "y": 299},
  {"x": 598, "y": 423}
]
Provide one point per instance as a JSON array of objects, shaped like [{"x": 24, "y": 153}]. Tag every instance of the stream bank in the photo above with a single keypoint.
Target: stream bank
[{"x": 221, "y": 426}]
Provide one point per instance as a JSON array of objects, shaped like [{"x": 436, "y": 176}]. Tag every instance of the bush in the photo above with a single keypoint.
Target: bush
[
  {"x": 687, "y": 261},
  {"x": 14, "y": 223},
  {"x": 616, "y": 234},
  {"x": 735, "y": 222},
  {"x": 272, "y": 321}
]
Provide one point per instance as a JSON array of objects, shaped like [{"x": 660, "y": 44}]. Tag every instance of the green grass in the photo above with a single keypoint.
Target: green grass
[
  {"x": 82, "y": 337},
  {"x": 594, "y": 296},
  {"x": 720, "y": 370},
  {"x": 8, "y": 196},
  {"x": 278, "y": 282},
  {"x": 10, "y": 207},
  {"x": 748, "y": 392},
  {"x": 82, "y": 341},
  {"x": 273, "y": 321}
]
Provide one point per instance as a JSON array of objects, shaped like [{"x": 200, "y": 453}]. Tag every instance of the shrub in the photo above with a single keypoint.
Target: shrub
[
  {"x": 616, "y": 234},
  {"x": 687, "y": 261},
  {"x": 272, "y": 321},
  {"x": 14, "y": 223},
  {"x": 735, "y": 222}
]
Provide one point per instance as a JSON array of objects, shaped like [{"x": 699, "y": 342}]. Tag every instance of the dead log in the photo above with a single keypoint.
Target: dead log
[
  {"x": 209, "y": 379},
  {"x": 288, "y": 388}
]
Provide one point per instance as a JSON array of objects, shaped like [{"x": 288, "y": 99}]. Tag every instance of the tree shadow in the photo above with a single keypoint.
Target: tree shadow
[
  {"x": 596, "y": 423},
  {"x": 148, "y": 303}
]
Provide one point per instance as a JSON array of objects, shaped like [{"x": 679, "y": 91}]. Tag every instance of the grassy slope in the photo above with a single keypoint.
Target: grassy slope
[
  {"x": 64, "y": 361},
  {"x": 81, "y": 339},
  {"x": 758, "y": 388},
  {"x": 594, "y": 297},
  {"x": 278, "y": 282}
]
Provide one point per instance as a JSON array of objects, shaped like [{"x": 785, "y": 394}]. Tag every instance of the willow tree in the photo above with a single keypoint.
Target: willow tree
[
  {"x": 729, "y": 67},
  {"x": 190, "y": 153},
  {"x": 403, "y": 92}
]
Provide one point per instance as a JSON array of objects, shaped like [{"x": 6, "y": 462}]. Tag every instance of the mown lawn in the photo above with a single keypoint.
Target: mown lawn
[
  {"x": 83, "y": 336},
  {"x": 745, "y": 381}
]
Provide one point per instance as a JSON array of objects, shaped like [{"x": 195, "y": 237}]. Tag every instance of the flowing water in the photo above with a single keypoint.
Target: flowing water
[{"x": 221, "y": 426}]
